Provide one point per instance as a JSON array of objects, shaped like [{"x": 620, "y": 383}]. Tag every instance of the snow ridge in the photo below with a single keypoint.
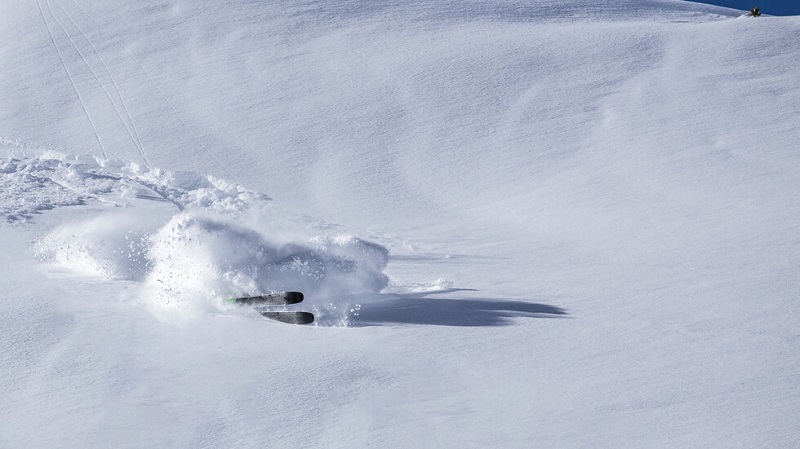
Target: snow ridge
[{"x": 55, "y": 180}]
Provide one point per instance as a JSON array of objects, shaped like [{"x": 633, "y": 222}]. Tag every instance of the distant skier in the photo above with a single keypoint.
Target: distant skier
[{"x": 755, "y": 12}]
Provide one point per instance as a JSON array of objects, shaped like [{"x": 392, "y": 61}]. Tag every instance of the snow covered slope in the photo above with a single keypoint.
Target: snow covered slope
[{"x": 520, "y": 224}]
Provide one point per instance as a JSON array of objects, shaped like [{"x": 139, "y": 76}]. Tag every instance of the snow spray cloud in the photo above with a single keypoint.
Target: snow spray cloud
[{"x": 199, "y": 261}]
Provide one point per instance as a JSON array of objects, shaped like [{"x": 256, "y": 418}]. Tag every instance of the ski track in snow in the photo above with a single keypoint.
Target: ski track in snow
[
  {"x": 122, "y": 109},
  {"x": 162, "y": 97},
  {"x": 189, "y": 241},
  {"x": 71, "y": 79}
]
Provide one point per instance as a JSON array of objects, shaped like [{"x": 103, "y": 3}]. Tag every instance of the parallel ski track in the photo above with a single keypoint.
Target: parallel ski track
[
  {"x": 125, "y": 124},
  {"x": 115, "y": 85},
  {"x": 163, "y": 96},
  {"x": 71, "y": 80}
]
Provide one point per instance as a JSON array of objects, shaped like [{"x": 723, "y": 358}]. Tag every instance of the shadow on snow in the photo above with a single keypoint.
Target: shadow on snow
[{"x": 418, "y": 309}]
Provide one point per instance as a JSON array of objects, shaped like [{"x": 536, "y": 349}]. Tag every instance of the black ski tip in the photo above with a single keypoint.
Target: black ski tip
[
  {"x": 293, "y": 297},
  {"x": 289, "y": 317},
  {"x": 279, "y": 299}
]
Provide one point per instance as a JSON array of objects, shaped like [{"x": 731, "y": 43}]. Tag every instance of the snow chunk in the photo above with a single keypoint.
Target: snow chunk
[
  {"x": 37, "y": 184},
  {"x": 29, "y": 189}
]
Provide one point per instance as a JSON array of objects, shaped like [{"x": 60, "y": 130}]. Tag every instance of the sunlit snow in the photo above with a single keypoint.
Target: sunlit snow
[{"x": 518, "y": 224}]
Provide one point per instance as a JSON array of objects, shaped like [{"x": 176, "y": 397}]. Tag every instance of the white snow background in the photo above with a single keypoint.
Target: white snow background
[{"x": 520, "y": 224}]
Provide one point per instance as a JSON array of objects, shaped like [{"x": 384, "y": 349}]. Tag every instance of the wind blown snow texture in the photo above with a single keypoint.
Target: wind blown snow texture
[{"x": 521, "y": 224}]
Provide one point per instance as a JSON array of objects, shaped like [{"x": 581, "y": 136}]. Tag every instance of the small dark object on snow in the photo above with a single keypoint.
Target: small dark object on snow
[
  {"x": 755, "y": 12},
  {"x": 289, "y": 317},
  {"x": 275, "y": 299}
]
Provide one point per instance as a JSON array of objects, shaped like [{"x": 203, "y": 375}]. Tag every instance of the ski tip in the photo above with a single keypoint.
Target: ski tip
[
  {"x": 279, "y": 298},
  {"x": 289, "y": 317},
  {"x": 293, "y": 297}
]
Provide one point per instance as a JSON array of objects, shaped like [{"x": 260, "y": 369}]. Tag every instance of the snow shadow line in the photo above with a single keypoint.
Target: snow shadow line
[{"x": 473, "y": 312}]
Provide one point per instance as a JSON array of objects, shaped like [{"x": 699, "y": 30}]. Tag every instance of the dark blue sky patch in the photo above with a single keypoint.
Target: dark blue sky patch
[{"x": 769, "y": 7}]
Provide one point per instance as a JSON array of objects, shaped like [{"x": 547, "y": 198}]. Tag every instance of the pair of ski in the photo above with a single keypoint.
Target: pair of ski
[{"x": 278, "y": 299}]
